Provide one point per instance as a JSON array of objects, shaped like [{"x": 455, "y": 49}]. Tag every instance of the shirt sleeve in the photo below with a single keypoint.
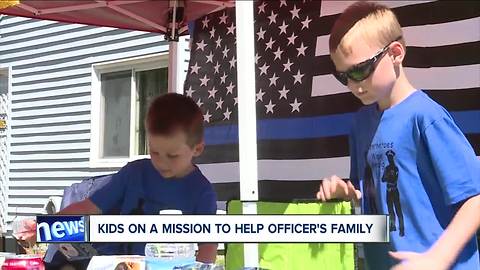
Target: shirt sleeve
[
  {"x": 111, "y": 194},
  {"x": 456, "y": 166},
  {"x": 207, "y": 204}
]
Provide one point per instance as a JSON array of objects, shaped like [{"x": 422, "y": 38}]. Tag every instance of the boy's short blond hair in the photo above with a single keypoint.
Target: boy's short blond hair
[{"x": 375, "y": 23}]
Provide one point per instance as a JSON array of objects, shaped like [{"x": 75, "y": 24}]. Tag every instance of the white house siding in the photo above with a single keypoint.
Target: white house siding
[{"x": 51, "y": 83}]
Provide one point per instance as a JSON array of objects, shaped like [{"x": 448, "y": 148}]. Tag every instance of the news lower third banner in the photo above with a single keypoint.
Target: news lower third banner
[{"x": 214, "y": 228}]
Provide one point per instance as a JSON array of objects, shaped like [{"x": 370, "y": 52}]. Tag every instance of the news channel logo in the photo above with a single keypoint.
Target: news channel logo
[{"x": 51, "y": 229}]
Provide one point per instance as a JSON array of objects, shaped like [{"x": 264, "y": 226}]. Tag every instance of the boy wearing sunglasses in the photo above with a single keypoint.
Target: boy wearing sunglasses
[{"x": 419, "y": 168}]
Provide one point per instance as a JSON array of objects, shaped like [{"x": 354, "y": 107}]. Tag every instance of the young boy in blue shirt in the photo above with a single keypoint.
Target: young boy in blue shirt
[
  {"x": 409, "y": 160},
  {"x": 168, "y": 180}
]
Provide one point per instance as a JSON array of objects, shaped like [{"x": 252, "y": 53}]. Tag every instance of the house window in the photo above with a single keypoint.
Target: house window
[
  {"x": 3, "y": 102},
  {"x": 3, "y": 81},
  {"x": 150, "y": 84},
  {"x": 116, "y": 101},
  {"x": 121, "y": 95}
]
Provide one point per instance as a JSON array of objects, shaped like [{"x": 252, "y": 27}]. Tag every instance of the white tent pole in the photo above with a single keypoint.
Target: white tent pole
[
  {"x": 173, "y": 61},
  {"x": 247, "y": 118},
  {"x": 173, "y": 68},
  {"x": 174, "y": 20}
]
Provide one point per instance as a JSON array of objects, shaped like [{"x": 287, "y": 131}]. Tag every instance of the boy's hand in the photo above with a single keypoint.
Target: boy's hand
[
  {"x": 26, "y": 231},
  {"x": 335, "y": 188},
  {"x": 420, "y": 261}
]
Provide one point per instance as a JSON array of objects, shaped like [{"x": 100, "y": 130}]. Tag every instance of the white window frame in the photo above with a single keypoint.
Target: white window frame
[{"x": 136, "y": 64}]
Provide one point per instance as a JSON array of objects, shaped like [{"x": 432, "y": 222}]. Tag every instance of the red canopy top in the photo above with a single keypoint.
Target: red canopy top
[{"x": 143, "y": 15}]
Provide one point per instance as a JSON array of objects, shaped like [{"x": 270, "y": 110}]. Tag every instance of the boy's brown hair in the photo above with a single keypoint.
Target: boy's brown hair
[
  {"x": 375, "y": 23},
  {"x": 173, "y": 112}
]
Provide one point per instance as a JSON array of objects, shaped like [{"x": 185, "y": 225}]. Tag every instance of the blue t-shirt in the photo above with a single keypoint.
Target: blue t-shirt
[
  {"x": 413, "y": 164},
  {"x": 138, "y": 188}
]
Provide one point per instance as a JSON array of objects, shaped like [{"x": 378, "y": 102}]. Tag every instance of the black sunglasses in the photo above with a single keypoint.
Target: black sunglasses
[{"x": 363, "y": 70}]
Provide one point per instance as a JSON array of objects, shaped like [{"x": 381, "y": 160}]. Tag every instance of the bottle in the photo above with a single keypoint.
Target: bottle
[{"x": 162, "y": 256}]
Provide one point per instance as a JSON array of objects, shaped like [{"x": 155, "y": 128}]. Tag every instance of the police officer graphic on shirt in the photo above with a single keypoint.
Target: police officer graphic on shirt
[{"x": 390, "y": 176}]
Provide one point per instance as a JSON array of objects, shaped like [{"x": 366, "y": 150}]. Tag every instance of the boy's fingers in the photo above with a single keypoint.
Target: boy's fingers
[
  {"x": 27, "y": 236},
  {"x": 339, "y": 184},
  {"x": 358, "y": 194},
  {"x": 346, "y": 189},
  {"x": 320, "y": 196},
  {"x": 321, "y": 193},
  {"x": 349, "y": 191},
  {"x": 399, "y": 267},
  {"x": 336, "y": 178},
  {"x": 403, "y": 255},
  {"x": 326, "y": 187},
  {"x": 353, "y": 193},
  {"x": 331, "y": 188}
]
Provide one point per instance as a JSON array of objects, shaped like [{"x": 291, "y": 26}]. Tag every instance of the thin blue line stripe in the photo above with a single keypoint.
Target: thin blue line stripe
[{"x": 316, "y": 127}]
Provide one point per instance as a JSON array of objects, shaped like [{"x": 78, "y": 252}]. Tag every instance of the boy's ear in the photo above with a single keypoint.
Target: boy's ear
[
  {"x": 198, "y": 149},
  {"x": 397, "y": 52}
]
